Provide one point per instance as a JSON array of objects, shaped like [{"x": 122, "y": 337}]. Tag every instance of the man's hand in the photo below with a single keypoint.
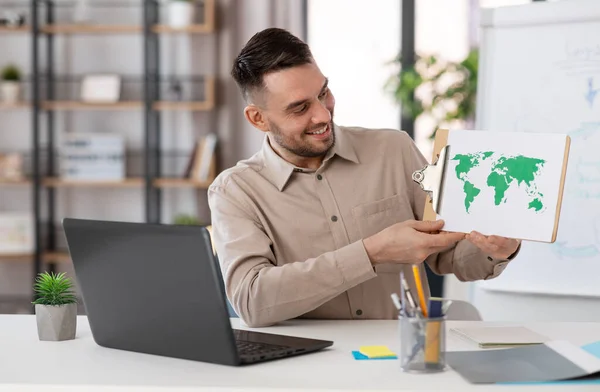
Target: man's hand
[
  {"x": 409, "y": 242},
  {"x": 493, "y": 245}
]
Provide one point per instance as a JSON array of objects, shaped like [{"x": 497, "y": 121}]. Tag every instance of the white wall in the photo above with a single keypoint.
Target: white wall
[{"x": 353, "y": 49}]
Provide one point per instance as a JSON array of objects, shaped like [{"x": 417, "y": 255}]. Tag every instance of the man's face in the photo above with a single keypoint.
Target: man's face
[{"x": 298, "y": 111}]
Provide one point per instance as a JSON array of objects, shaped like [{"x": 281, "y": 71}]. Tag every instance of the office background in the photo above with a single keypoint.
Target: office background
[{"x": 354, "y": 44}]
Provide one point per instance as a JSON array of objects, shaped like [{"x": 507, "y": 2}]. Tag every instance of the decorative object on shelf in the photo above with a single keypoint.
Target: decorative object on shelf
[
  {"x": 181, "y": 13},
  {"x": 12, "y": 19},
  {"x": 201, "y": 166},
  {"x": 81, "y": 12},
  {"x": 92, "y": 157},
  {"x": 101, "y": 88},
  {"x": 185, "y": 219},
  {"x": 11, "y": 83},
  {"x": 443, "y": 90},
  {"x": 175, "y": 90},
  {"x": 55, "y": 307},
  {"x": 16, "y": 233},
  {"x": 11, "y": 167}
]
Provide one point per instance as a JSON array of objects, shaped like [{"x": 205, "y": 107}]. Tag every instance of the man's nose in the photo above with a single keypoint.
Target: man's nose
[{"x": 322, "y": 114}]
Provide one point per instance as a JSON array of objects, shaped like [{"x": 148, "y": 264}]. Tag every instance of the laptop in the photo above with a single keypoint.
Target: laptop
[{"x": 158, "y": 289}]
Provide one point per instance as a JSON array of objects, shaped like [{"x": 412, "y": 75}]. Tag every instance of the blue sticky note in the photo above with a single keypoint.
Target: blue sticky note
[
  {"x": 593, "y": 348},
  {"x": 357, "y": 355}
]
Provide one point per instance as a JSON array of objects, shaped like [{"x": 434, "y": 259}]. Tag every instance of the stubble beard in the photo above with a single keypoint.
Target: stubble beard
[{"x": 305, "y": 150}]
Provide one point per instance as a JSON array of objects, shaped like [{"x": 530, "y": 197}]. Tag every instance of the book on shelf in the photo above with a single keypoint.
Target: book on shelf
[{"x": 202, "y": 160}]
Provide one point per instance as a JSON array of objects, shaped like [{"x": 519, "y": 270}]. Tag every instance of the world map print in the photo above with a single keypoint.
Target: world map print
[{"x": 499, "y": 172}]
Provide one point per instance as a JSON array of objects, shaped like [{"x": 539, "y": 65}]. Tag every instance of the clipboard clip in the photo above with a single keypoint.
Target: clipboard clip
[{"x": 431, "y": 179}]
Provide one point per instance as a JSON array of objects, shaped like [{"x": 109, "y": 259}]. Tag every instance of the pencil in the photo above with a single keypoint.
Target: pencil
[{"x": 420, "y": 291}]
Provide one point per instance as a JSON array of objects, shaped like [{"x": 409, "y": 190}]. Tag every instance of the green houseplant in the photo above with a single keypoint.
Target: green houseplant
[
  {"x": 55, "y": 307},
  {"x": 443, "y": 90},
  {"x": 11, "y": 82},
  {"x": 184, "y": 219}
]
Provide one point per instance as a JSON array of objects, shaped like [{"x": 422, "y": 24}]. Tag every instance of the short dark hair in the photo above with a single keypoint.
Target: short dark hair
[{"x": 269, "y": 50}]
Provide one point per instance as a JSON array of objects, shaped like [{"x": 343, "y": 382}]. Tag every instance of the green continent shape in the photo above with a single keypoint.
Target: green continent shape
[
  {"x": 536, "y": 204},
  {"x": 471, "y": 192},
  {"x": 466, "y": 162},
  {"x": 521, "y": 169},
  {"x": 500, "y": 183}
]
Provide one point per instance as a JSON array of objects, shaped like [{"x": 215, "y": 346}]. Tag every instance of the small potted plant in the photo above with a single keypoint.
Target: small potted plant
[
  {"x": 55, "y": 307},
  {"x": 11, "y": 78},
  {"x": 181, "y": 13},
  {"x": 185, "y": 219}
]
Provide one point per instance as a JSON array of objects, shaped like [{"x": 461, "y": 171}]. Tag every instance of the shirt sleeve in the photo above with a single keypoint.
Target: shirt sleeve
[
  {"x": 465, "y": 260},
  {"x": 263, "y": 290}
]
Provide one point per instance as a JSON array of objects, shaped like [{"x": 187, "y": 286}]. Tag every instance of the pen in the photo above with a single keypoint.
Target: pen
[
  {"x": 409, "y": 297},
  {"x": 435, "y": 308},
  {"x": 396, "y": 301},
  {"x": 420, "y": 289},
  {"x": 402, "y": 294}
]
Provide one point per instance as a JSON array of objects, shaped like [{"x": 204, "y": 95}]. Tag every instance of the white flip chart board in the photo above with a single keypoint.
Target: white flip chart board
[
  {"x": 540, "y": 72},
  {"x": 504, "y": 183}
]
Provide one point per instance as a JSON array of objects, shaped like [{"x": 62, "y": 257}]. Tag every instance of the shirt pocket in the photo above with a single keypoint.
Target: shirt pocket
[{"x": 372, "y": 217}]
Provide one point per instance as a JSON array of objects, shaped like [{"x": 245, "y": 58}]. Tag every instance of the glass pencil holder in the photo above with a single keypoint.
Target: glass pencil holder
[{"x": 422, "y": 344}]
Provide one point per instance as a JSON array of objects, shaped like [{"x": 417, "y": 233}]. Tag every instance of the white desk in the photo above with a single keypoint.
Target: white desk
[{"x": 27, "y": 364}]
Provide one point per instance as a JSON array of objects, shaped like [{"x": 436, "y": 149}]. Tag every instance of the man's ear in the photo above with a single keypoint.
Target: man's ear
[{"x": 255, "y": 116}]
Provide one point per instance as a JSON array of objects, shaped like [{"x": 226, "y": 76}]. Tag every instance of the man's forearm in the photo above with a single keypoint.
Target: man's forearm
[{"x": 264, "y": 294}]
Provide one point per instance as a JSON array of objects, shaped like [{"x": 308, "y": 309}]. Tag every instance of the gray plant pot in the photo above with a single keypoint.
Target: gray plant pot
[{"x": 55, "y": 323}]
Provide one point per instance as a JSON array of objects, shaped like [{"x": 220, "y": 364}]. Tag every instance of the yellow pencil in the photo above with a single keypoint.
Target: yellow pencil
[{"x": 420, "y": 289}]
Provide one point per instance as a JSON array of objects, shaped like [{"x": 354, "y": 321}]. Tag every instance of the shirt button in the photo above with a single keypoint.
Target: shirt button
[
  {"x": 334, "y": 218},
  {"x": 319, "y": 177},
  {"x": 359, "y": 312}
]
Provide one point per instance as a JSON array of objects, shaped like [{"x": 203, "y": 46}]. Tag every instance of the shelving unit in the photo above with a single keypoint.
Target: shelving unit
[{"x": 48, "y": 101}]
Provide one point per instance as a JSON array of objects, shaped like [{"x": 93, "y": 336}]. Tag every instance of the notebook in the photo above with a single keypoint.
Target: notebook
[
  {"x": 498, "y": 337},
  {"x": 553, "y": 361}
]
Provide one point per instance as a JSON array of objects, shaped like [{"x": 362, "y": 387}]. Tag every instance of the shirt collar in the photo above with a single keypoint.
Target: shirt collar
[{"x": 278, "y": 171}]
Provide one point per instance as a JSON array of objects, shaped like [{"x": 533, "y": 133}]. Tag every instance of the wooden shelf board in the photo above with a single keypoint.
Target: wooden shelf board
[
  {"x": 180, "y": 183},
  {"x": 16, "y": 105},
  {"x": 56, "y": 257},
  {"x": 47, "y": 257},
  {"x": 59, "y": 182},
  {"x": 16, "y": 256},
  {"x": 191, "y": 106},
  {"x": 76, "y": 105},
  {"x": 193, "y": 29},
  {"x": 91, "y": 29},
  {"x": 202, "y": 28},
  {"x": 6, "y": 182},
  {"x": 20, "y": 29}
]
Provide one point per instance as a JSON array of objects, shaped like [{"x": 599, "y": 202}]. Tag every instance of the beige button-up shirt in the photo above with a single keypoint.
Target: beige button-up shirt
[{"x": 289, "y": 239}]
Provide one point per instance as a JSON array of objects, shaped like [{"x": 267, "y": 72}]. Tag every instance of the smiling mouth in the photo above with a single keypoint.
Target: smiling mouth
[{"x": 319, "y": 131}]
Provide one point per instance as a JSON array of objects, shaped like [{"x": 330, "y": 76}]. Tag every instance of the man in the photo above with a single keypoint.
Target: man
[{"x": 320, "y": 222}]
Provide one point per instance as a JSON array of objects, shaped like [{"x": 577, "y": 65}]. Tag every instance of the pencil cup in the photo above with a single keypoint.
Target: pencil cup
[{"x": 422, "y": 344}]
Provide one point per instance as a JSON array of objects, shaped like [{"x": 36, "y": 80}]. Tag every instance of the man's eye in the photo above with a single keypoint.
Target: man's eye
[
  {"x": 302, "y": 109},
  {"x": 324, "y": 93}
]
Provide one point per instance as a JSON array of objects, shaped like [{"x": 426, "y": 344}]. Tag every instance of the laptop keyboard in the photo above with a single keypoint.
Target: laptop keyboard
[{"x": 254, "y": 348}]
